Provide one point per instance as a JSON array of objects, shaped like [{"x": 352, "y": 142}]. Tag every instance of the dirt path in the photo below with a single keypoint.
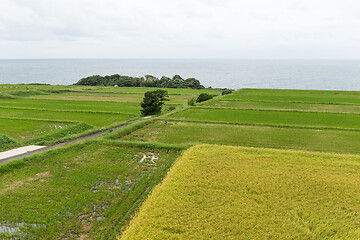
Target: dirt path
[{"x": 94, "y": 135}]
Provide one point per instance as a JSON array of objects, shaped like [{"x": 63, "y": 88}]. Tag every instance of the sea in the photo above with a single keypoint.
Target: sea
[{"x": 217, "y": 73}]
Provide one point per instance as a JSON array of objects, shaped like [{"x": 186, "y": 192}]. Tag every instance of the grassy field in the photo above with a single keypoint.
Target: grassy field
[
  {"x": 255, "y": 136},
  {"x": 217, "y": 192},
  {"x": 83, "y": 191}
]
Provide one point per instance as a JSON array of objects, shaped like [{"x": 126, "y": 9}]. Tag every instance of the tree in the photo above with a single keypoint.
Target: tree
[
  {"x": 193, "y": 83},
  {"x": 153, "y": 101}
]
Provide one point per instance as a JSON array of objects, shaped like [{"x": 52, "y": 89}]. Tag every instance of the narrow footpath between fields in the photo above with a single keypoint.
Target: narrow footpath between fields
[{"x": 28, "y": 151}]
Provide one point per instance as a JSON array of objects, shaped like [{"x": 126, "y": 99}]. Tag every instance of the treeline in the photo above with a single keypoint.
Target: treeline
[{"x": 146, "y": 81}]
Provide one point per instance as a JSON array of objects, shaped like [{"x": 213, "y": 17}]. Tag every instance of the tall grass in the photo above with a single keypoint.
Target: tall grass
[{"x": 7, "y": 143}]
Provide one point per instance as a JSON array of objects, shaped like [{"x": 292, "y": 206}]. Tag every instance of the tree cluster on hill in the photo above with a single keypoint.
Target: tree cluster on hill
[{"x": 146, "y": 81}]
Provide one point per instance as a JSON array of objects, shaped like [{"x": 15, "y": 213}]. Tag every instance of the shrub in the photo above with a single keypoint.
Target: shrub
[
  {"x": 204, "y": 97},
  {"x": 226, "y": 91},
  {"x": 171, "y": 107},
  {"x": 191, "y": 101}
]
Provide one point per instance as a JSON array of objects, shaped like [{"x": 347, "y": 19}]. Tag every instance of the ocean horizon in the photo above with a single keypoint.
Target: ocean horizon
[{"x": 217, "y": 73}]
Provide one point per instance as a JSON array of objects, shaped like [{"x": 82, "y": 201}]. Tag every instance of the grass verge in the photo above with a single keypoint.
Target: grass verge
[
  {"x": 60, "y": 136},
  {"x": 7, "y": 143},
  {"x": 128, "y": 129}
]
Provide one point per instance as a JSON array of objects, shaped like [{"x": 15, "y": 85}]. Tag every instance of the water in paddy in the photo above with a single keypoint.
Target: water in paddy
[{"x": 288, "y": 74}]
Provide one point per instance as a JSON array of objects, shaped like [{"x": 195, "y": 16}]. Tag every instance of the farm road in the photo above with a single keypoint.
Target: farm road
[{"x": 94, "y": 135}]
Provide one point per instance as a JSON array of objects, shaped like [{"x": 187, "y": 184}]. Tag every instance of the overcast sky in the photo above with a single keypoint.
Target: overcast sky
[{"x": 325, "y": 29}]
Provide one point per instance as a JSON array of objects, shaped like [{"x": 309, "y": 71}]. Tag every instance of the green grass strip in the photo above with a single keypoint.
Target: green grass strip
[
  {"x": 12, "y": 165},
  {"x": 39, "y": 119},
  {"x": 128, "y": 129},
  {"x": 271, "y": 101},
  {"x": 147, "y": 144},
  {"x": 26, "y": 93},
  {"x": 169, "y": 114},
  {"x": 264, "y": 125},
  {"x": 268, "y": 110},
  {"x": 104, "y": 92},
  {"x": 56, "y": 110}
]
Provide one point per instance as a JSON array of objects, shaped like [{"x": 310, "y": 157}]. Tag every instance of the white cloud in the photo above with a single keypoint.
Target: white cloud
[{"x": 180, "y": 28}]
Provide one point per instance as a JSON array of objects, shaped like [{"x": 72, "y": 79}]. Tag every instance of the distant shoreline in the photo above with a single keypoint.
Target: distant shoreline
[{"x": 227, "y": 73}]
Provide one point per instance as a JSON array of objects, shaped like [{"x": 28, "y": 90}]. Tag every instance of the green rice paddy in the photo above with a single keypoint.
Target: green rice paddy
[
  {"x": 306, "y": 96},
  {"x": 19, "y": 129},
  {"x": 254, "y": 136},
  {"x": 289, "y": 106},
  {"x": 285, "y": 118}
]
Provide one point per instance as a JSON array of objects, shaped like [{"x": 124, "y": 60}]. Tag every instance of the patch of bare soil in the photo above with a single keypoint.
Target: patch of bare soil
[{"x": 38, "y": 177}]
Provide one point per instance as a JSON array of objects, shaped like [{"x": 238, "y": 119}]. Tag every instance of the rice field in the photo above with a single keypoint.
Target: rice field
[
  {"x": 287, "y": 106},
  {"x": 85, "y": 191},
  {"x": 325, "y": 127},
  {"x": 253, "y": 136},
  {"x": 92, "y": 189},
  {"x": 19, "y": 129},
  {"x": 282, "y": 118},
  {"x": 303, "y": 96},
  {"x": 97, "y": 119},
  {"x": 68, "y": 105},
  {"x": 225, "y": 192}
]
